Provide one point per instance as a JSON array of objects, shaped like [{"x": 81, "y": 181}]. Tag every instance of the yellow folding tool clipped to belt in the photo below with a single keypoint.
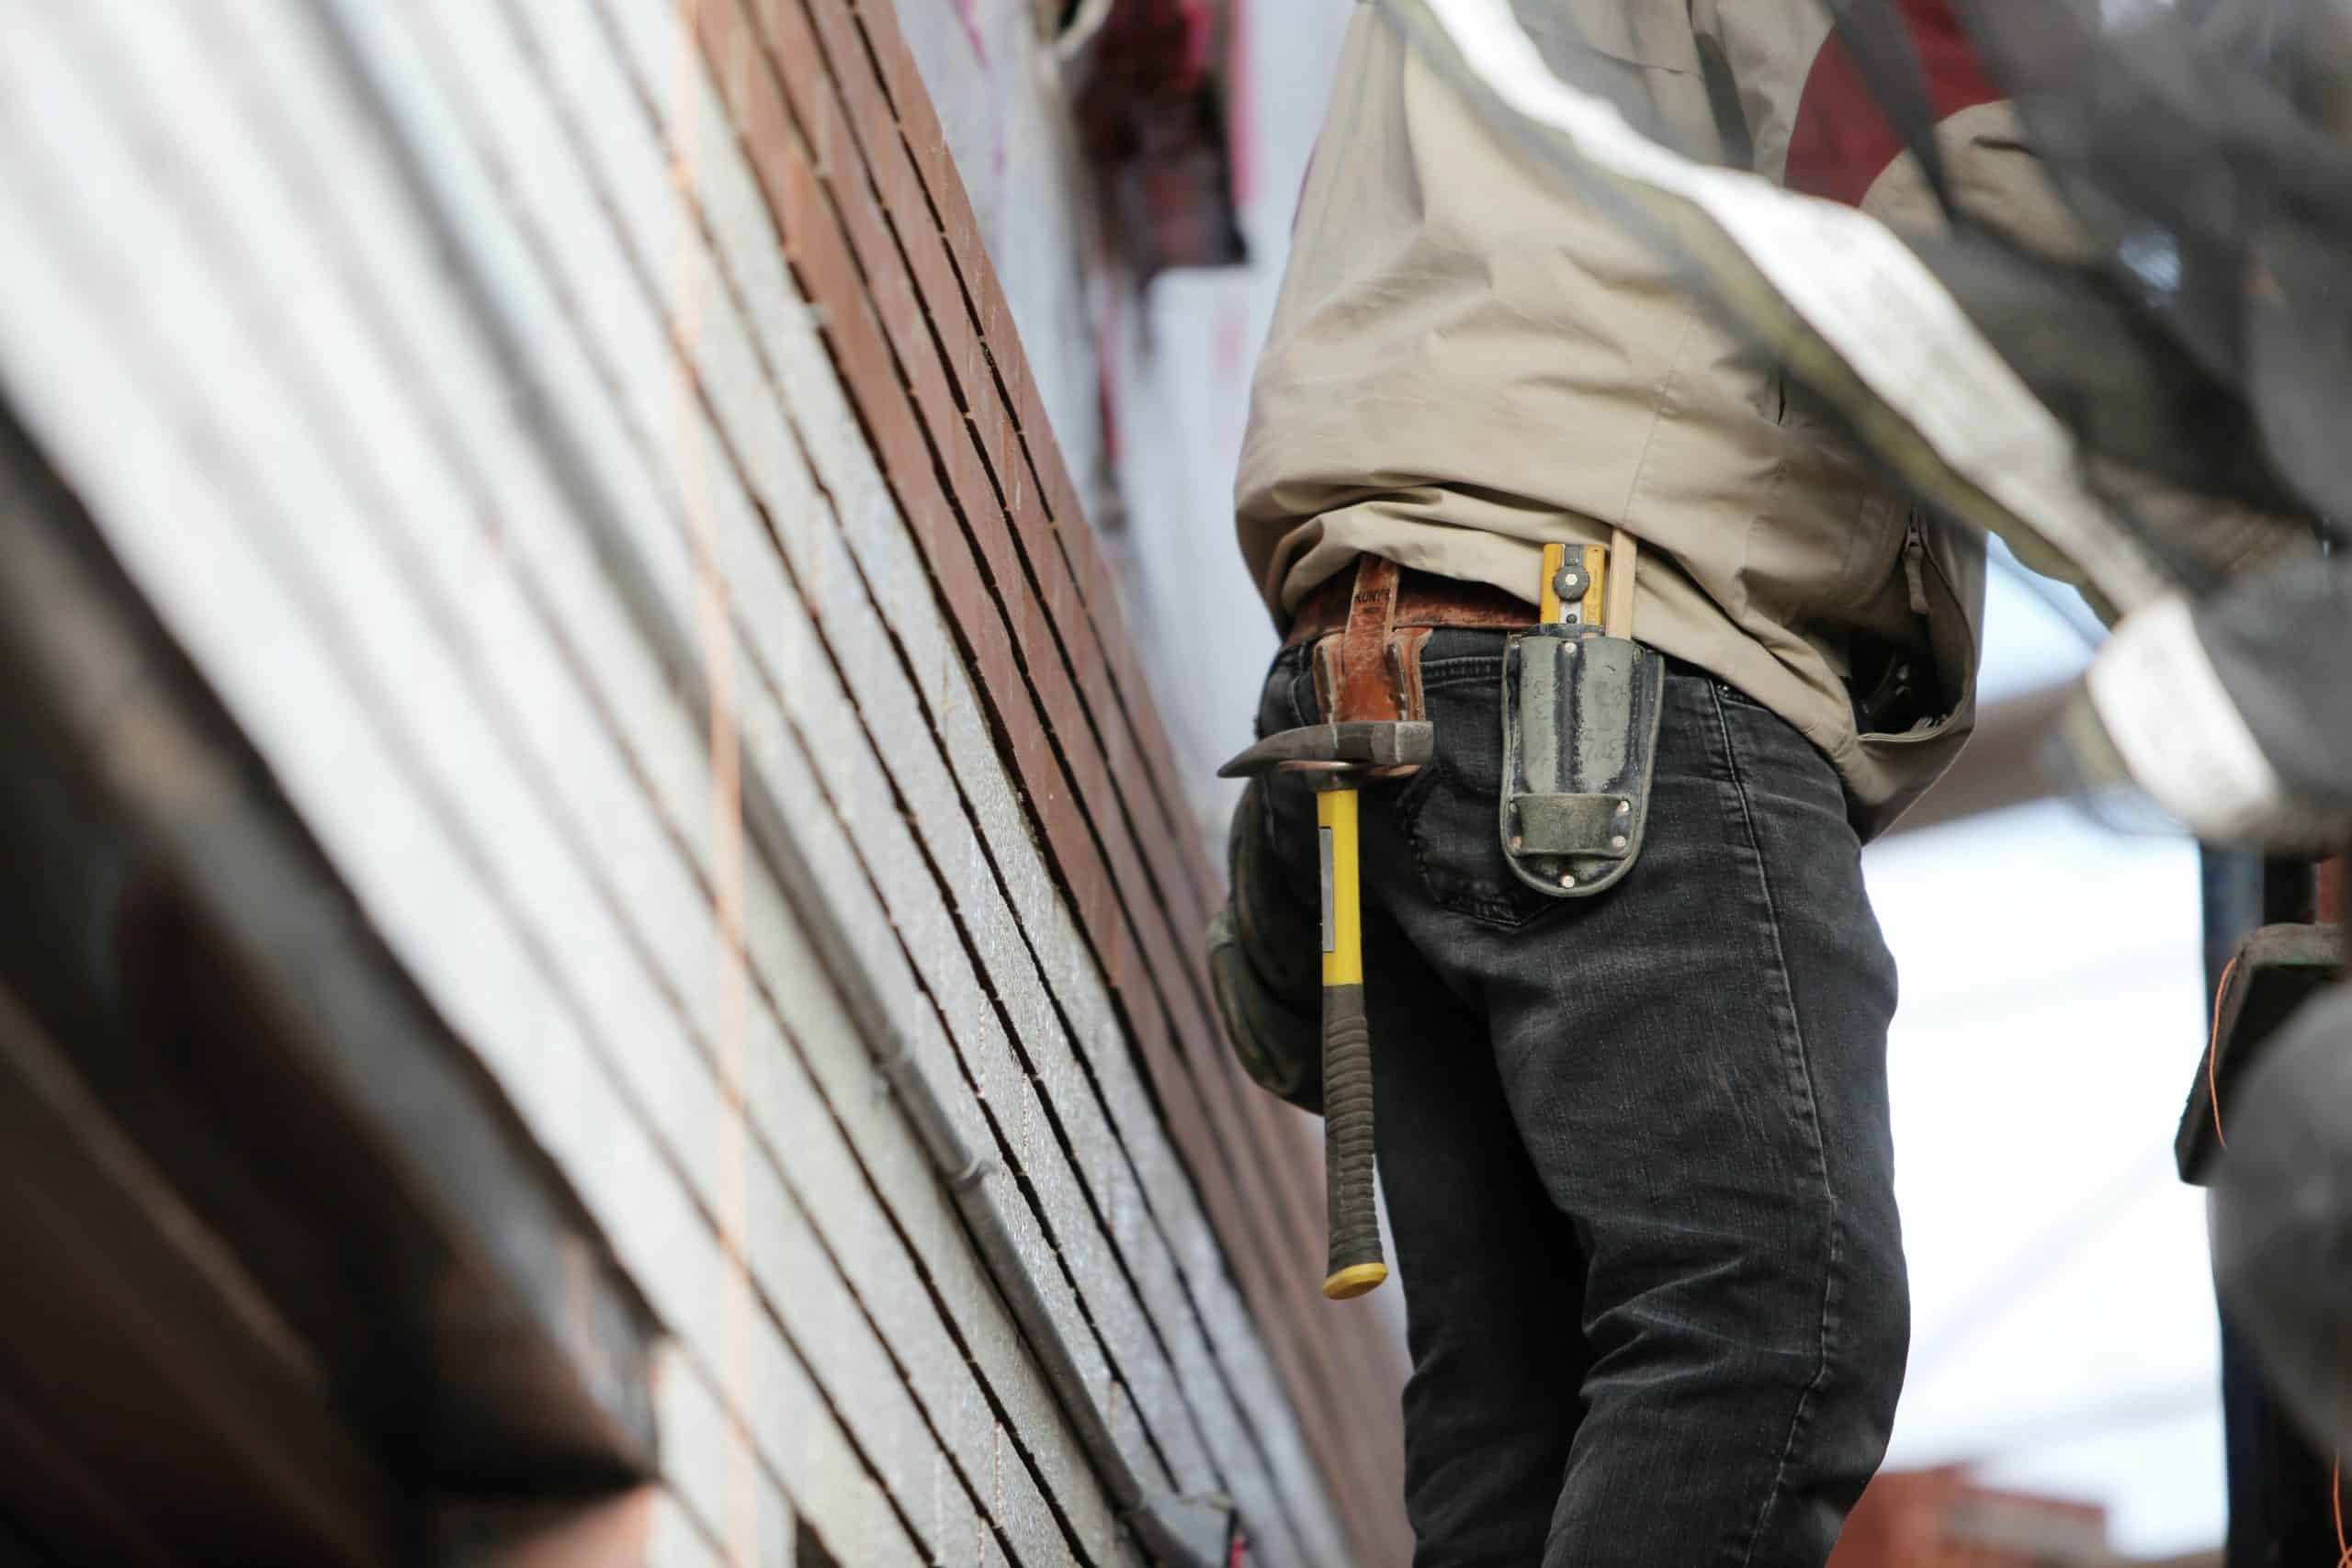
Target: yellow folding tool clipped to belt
[{"x": 1595, "y": 596}]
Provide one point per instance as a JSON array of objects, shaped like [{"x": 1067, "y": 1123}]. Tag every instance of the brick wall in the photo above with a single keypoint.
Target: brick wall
[{"x": 585, "y": 448}]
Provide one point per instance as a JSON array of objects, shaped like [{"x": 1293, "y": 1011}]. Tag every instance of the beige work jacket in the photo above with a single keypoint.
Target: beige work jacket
[{"x": 1466, "y": 363}]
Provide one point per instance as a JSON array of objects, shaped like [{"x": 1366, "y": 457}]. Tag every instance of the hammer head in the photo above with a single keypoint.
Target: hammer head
[{"x": 1353, "y": 746}]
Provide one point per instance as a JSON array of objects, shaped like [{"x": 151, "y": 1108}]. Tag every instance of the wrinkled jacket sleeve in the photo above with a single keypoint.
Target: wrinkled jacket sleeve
[{"x": 1814, "y": 127}]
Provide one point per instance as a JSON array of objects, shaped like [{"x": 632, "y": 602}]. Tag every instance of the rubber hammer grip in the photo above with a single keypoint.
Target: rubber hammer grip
[{"x": 1357, "y": 1264}]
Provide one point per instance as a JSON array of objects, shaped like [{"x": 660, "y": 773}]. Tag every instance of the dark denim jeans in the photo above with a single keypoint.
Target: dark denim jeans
[{"x": 1634, "y": 1148}]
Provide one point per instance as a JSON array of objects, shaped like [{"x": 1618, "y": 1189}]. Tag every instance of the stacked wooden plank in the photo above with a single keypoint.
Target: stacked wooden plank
[
  {"x": 587, "y": 452},
  {"x": 880, "y": 234}
]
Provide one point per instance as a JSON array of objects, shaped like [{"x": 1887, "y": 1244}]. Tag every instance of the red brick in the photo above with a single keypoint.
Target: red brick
[
  {"x": 961, "y": 457},
  {"x": 902, "y": 319},
  {"x": 853, "y": 69},
  {"x": 992, "y": 427},
  {"x": 791, "y": 51},
  {"x": 768, "y": 137}
]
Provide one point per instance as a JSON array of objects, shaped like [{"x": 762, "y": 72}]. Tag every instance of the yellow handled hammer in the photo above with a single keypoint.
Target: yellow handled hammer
[{"x": 1342, "y": 754}]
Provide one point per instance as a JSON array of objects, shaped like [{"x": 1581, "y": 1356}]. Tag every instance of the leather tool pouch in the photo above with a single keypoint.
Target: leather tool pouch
[{"x": 1580, "y": 721}]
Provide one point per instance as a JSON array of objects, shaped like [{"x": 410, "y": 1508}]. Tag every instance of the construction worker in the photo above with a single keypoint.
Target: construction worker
[{"x": 1633, "y": 1145}]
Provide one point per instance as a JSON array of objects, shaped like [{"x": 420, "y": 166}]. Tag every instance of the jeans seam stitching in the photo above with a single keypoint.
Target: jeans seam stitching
[
  {"x": 1461, "y": 670},
  {"x": 1799, "y": 1419}
]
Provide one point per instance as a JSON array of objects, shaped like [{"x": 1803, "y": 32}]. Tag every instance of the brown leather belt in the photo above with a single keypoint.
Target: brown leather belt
[
  {"x": 1368, "y": 625},
  {"x": 1423, "y": 599}
]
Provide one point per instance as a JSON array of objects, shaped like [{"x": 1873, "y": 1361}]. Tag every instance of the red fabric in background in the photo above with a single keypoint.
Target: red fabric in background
[
  {"x": 1842, "y": 140},
  {"x": 1152, "y": 114}
]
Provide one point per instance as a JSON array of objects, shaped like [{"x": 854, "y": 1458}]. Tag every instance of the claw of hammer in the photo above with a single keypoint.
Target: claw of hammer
[{"x": 1359, "y": 744}]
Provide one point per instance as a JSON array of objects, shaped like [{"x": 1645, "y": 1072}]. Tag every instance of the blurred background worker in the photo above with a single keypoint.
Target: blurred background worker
[{"x": 1633, "y": 1140}]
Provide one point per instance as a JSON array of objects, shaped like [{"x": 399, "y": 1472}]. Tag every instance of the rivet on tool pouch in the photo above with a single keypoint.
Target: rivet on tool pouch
[{"x": 1581, "y": 704}]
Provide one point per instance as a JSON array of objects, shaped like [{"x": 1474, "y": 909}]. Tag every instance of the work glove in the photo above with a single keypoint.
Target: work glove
[{"x": 1265, "y": 960}]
